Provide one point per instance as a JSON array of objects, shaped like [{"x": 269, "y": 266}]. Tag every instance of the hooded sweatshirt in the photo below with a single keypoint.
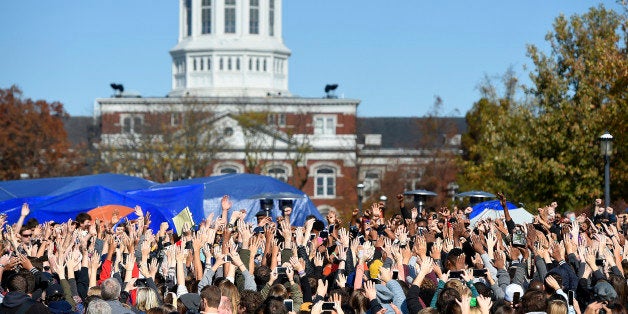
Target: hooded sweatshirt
[{"x": 14, "y": 300}]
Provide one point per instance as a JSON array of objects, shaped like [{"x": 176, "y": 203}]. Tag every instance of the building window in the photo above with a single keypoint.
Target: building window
[
  {"x": 230, "y": 16},
  {"x": 278, "y": 173},
  {"x": 264, "y": 65},
  {"x": 277, "y": 119},
  {"x": 202, "y": 64},
  {"x": 237, "y": 64},
  {"x": 206, "y": 19},
  {"x": 271, "y": 17},
  {"x": 132, "y": 124},
  {"x": 250, "y": 64},
  {"x": 188, "y": 17},
  {"x": 371, "y": 183},
  {"x": 221, "y": 64},
  {"x": 324, "y": 125},
  {"x": 176, "y": 119},
  {"x": 229, "y": 64},
  {"x": 254, "y": 17},
  {"x": 227, "y": 132},
  {"x": 325, "y": 182},
  {"x": 228, "y": 170},
  {"x": 257, "y": 65}
]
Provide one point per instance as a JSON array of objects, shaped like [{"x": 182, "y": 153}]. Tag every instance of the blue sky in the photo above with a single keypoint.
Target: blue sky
[{"x": 395, "y": 56}]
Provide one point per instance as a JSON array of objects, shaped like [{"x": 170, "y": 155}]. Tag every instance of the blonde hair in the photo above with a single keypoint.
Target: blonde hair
[
  {"x": 229, "y": 290},
  {"x": 93, "y": 291},
  {"x": 556, "y": 307},
  {"x": 146, "y": 299},
  {"x": 459, "y": 286}
]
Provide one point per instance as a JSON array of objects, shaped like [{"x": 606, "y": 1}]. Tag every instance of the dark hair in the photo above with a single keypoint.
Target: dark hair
[
  {"x": 17, "y": 282},
  {"x": 447, "y": 296},
  {"x": 250, "y": 300},
  {"x": 82, "y": 217},
  {"x": 262, "y": 275},
  {"x": 211, "y": 295},
  {"x": 534, "y": 301}
]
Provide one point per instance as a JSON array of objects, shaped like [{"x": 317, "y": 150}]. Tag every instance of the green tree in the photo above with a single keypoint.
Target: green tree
[
  {"x": 546, "y": 148},
  {"x": 33, "y": 139}
]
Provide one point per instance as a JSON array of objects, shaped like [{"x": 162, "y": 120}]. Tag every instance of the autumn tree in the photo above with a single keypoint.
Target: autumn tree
[
  {"x": 178, "y": 142},
  {"x": 545, "y": 148},
  {"x": 265, "y": 142},
  {"x": 33, "y": 139}
]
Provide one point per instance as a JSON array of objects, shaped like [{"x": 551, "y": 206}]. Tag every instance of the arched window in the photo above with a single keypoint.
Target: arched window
[
  {"x": 228, "y": 170},
  {"x": 278, "y": 173},
  {"x": 371, "y": 183},
  {"x": 325, "y": 182}
]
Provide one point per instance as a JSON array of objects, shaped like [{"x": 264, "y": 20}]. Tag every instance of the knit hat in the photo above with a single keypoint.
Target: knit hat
[
  {"x": 374, "y": 268},
  {"x": 604, "y": 291},
  {"x": 191, "y": 300},
  {"x": 510, "y": 291}
]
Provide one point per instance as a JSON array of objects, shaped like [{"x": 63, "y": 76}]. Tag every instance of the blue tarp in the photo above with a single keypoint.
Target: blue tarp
[
  {"x": 241, "y": 188},
  {"x": 59, "y": 199},
  {"x": 57, "y": 186}
]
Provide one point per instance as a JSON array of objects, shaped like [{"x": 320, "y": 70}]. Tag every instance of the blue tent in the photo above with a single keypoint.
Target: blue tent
[
  {"x": 57, "y": 186},
  {"x": 59, "y": 199},
  {"x": 66, "y": 206},
  {"x": 493, "y": 209},
  {"x": 242, "y": 188}
]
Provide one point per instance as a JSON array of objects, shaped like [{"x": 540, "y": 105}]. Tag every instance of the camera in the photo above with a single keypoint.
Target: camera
[{"x": 518, "y": 238}]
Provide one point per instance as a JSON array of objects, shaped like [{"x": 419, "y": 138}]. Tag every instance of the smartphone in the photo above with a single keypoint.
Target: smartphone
[
  {"x": 281, "y": 270},
  {"x": 258, "y": 230},
  {"x": 324, "y": 234},
  {"x": 288, "y": 304},
  {"x": 395, "y": 274},
  {"x": 570, "y": 297},
  {"x": 599, "y": 262},
  {"x": 226, "y": 258},
  {"x": 331, "y": 228},
  {"x": 455, "y": 274},
  {"x": 479, "y": 272},
  {"x": 328, "y": 306},
  {"x": 361, "y": 239},
  {"x": 515, "y": 298},
  {"x": 312, "y": 236}
]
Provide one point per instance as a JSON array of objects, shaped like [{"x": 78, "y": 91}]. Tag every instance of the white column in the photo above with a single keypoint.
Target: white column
[
  {"x": 243, "y": 6},
  {"x": 263, "y": 18},
  {"x": 220, "y": 17},
  {"x": 196, "y": 18},
  {"x": 181, "y": 18},
  {"x": 278, "y": 15}
]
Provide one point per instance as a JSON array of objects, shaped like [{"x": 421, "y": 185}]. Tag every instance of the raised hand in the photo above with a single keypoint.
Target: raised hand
[
  {"x": 322, "y": 288},
  {"x": 369, "y": 290},
  {"x": 226, "y": 203}
]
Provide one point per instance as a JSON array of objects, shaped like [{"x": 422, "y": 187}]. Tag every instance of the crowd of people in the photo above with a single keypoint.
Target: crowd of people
[{"x": 427, "y": 261}]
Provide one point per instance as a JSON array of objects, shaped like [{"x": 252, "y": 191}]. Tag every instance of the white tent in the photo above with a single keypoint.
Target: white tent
[{"x": 493, "y": 209}]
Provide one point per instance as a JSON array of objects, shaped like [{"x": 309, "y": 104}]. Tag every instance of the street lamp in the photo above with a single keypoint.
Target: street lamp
[
  {"x": 606, "y": 149},
  {"x": 452, "y": 190},
  {"x": 360, "y": 188},
  {"x": 420, "y": 198},
  {"x": 383, "y": 199}
]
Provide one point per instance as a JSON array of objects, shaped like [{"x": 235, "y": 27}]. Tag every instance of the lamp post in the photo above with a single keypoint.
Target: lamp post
[
  {"x": 360, "y": 188},
  {"x": 383, "y": 199},
  {"x": 452, "y": 190},
  {"x": 420, "y": 198},
  {"x": 606, "y": 149}
]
